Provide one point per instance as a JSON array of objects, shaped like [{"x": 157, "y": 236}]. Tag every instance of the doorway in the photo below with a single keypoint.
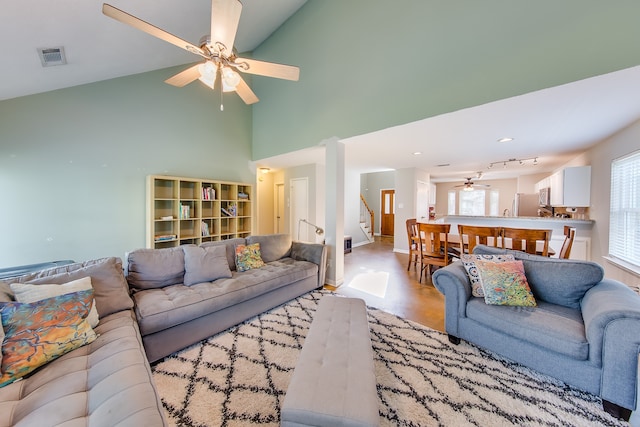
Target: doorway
[{"x": 387, "y": 214}]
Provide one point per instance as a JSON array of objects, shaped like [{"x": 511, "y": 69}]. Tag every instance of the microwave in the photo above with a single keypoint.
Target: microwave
[{"x": 545, "y": 196}]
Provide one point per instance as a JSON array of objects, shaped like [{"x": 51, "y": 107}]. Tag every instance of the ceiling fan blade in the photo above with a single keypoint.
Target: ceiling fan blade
[
  {"x": 269, "y": 69},
  {"x": 245, "y": 92},
  {"x": 185, "y": 77},
  {"x": 225, "y": 16},
  {"x": 125, "y": 18}
]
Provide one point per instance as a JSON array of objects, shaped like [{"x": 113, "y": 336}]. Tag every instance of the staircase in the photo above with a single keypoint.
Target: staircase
[{"x": 366, "y": 219}]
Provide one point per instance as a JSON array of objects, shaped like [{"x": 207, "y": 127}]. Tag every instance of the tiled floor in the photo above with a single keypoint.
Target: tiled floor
[{"x": 378, "y": 275}]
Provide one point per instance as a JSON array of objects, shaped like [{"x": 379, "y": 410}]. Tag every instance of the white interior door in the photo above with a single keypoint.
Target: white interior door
[{"x": 299, "y": 209}]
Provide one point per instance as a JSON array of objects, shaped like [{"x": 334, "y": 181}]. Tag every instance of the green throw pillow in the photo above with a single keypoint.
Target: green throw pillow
[
  {"x": 248, "y": 257},
  {"x": 469, "y": 264},
  {"x": 505, "y": 284},
  {"x": 36, "y": 333}
]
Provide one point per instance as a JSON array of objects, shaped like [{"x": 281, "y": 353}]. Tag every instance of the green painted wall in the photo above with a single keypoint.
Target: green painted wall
[
  {"x": 370, "y": 64},
  {"x": 73, "y": 162}
]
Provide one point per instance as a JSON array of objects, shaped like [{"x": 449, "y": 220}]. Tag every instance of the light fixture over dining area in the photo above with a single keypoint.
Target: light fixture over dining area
[{"x": 523, "y": 161}]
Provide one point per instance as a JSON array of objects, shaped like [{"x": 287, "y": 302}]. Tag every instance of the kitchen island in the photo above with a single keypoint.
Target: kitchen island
[{"x": 581, "y": 245}]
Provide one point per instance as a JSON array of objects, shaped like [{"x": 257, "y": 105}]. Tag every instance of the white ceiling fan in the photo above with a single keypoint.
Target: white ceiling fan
[
  {"x": 469, "y": 185},
  {"x": 221, "y": 61}
]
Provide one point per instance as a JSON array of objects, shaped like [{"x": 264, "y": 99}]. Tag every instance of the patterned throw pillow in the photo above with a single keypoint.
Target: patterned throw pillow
[
  {"x": 25, "y": 292},
  {"x": 36, "y": 333},
  {"x": 248, "y": 257},
  {"x": 505, "y": 283},
  {"x": 469, "y": 263}
]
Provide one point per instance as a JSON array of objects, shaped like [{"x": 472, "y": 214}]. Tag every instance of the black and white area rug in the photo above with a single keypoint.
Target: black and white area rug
[{"x": 240, "y": 377}]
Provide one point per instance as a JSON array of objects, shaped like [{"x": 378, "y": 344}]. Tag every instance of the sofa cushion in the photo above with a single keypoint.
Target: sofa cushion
[
  {"x": 554, "y": 327},
  {"x": 155, "y": 268},
  {"x": 558, "y": 281},
  {"x": 159, "y": 309},
  {"x": 25, "y": 292},
  {"x": 109, "y": 285},
  {"x": 36, "y": 333},
  {"x": 272, "y": 246},
  {"x": 102, "y": 384},
  {"x": 204, "y": 264},
  {"x": 248, "y": 257},
  {"x": 504, "y": 283},
  {"x": 230, "y": 246},
  {"x": 468, "y": 261}
]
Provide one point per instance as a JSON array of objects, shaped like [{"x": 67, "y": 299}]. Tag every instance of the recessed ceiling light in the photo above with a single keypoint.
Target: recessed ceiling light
[
  {"x": 507, "y": 139},
  {"x": 417, "y": 153}
]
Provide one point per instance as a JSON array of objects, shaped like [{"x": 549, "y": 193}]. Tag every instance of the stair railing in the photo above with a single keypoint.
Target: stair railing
[{"x": 366, "y": 215}]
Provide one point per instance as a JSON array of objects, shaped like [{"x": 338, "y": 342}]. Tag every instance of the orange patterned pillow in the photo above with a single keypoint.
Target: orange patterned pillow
[{"x": 36, "y": 333}]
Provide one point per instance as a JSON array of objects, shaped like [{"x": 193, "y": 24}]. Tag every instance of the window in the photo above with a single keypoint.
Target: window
[
  {"x": 472, "y": 202},
  {"x": 494, "y": 203},
  {"x": 451, "y": 203},
  {"x": 624, "y": 218}
]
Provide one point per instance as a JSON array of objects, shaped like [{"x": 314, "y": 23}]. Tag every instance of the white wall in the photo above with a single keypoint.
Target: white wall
[{"x": 600, "y": 157}]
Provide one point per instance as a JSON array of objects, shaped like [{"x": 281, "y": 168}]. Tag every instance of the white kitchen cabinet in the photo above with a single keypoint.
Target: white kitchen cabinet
[{"x": 571, "y": 187}]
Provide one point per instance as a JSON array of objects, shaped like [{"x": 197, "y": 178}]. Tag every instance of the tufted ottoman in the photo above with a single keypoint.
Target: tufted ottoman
[{"x": 334, "y": 381}]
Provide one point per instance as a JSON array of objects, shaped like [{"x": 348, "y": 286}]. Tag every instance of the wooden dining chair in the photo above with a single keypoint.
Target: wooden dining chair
[
  {"x": 434, "y": 246},
  {"x": 527, "y": 240},
  {"x": 569, "y": 236},
  {"x": 477, "y": 235},
  {"x": 414, "y": 242}
]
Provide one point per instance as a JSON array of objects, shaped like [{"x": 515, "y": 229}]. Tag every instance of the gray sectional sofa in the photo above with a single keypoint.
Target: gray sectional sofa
[
  {"x": 109, "y": 382},
  {"x": 178, "y": 302},
  {"x": 584, "y": 331},
  {"x": 105, "y": 383}
]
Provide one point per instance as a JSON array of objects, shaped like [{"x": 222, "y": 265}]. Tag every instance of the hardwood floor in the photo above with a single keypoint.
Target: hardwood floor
[{"x": 378, "y": 275}]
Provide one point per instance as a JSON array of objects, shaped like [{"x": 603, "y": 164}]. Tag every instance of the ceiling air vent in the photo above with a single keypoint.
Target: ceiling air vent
[{"x": 51, "y": 56}]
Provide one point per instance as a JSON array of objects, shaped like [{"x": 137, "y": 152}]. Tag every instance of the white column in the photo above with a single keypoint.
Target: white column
[{"x": 334, "y": 233}]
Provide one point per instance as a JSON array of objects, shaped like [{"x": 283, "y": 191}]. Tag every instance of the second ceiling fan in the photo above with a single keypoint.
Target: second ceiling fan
[{"x": 221, "y": 61}]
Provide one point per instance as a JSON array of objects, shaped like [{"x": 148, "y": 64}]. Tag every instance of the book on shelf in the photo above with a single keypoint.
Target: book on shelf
[
  {"x": 226, "y": 212},
  {"x": 208, "y": 193},
  {"x": 165, "y": 237},
  {"x": 204, "y": 228},
  {"x": 185, "y": 211}
]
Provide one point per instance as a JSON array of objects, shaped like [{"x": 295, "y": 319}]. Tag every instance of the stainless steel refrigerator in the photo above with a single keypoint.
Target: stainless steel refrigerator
[{"x": 526, "y": 204}]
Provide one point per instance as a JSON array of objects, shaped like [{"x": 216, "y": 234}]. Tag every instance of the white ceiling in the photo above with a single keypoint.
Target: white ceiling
[
  {"x": 100, "y": 48},
  {"x": 553, "y": 124}
]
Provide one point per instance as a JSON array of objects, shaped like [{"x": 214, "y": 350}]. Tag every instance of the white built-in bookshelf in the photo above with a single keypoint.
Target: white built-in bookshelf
[{"x": 187, "y": 210}]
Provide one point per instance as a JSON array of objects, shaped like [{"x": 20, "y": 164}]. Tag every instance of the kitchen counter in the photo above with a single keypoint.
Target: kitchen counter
[{"x": 582, "y": 243}]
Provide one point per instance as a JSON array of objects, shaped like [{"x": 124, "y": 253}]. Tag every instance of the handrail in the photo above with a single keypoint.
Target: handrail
[{"x": 371, "y": 215}]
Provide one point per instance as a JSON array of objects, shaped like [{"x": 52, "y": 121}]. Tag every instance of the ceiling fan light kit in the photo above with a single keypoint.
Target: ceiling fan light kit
[{"x": 217, "y": 50}]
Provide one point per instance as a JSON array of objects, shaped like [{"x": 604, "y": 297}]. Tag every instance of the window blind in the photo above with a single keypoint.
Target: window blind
[{"x": 624, "y": 218}]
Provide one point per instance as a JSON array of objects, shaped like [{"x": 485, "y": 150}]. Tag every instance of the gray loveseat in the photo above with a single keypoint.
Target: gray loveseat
[
  {"x": 183, "y": 295},
  {"x": 105, "y": 383},
  {"x": 584, "y": 331}
]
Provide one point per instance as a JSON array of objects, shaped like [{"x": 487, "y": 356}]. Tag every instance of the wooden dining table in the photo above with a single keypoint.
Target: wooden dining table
[{"x": 454, "y": 242}]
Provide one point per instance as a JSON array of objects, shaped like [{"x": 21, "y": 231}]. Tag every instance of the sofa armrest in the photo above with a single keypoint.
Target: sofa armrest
[
  {"x": 611, "y": 313},
  {"x": 312, "y": 252},
  {"x": 453, "y": 282}
]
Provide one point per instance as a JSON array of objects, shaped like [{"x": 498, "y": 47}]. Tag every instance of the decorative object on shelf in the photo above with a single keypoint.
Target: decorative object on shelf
[
  {"x": 221, "y": 62},
  {"x": 243, "y": 196},
  {"x": 504, "y": 163}
]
